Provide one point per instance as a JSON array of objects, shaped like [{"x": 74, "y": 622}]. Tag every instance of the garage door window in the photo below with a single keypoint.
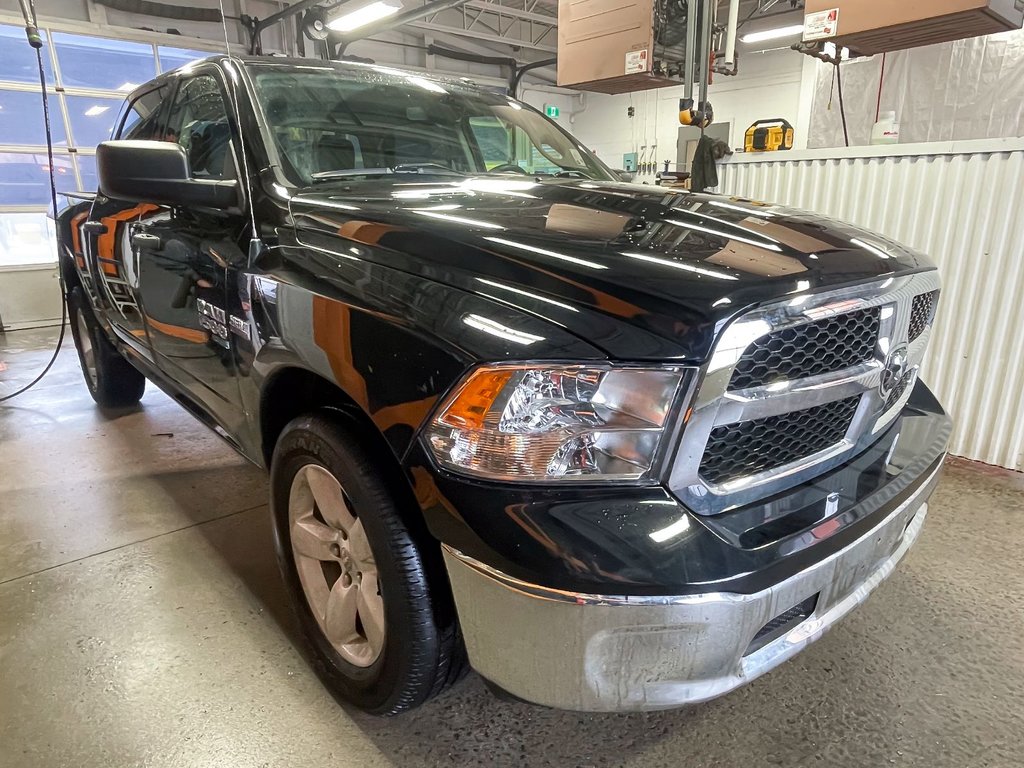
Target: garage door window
[
  {"x": 97, "y": 62},
  {"x": 21, "y": 119},
  {"x": 18, "y": 60},
  {"x": 172, "y": 58},
  {"x": 92, "y": 118},
  {"x": 89, "y": 77}
]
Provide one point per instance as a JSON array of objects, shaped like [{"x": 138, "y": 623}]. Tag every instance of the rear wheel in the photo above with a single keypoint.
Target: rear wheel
[
  {"x": 379, "y": 629},
  {"x": 113, "y": 382}
]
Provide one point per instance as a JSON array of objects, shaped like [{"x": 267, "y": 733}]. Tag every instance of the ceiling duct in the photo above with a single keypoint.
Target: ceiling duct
[{"x": 163, "y": 10}]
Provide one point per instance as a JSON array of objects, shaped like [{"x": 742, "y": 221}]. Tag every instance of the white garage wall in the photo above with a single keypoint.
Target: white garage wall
[
  {"x": 961, "y": 204},
  {"x": 768, "y": 86},
  {"x": 965, "y": 89}
]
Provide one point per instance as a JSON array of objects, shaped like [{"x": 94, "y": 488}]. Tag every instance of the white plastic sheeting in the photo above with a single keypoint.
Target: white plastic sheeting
[
  {"x": 967, "y": 89},
  {"x": 963, "y": 204}
]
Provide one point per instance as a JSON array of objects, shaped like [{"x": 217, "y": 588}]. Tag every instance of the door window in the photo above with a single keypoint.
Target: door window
[
  {"x": 142, "y": 120},
  {"x": 199, "y": 122}
]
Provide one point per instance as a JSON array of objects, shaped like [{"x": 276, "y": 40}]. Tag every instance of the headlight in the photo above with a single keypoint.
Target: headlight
[{"x": 555, "y": 422}]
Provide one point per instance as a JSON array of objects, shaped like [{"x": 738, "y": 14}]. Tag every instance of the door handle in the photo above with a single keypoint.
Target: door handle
[
  {"x": 95, "y": 227},
  {"x": 145, "y": 241}
]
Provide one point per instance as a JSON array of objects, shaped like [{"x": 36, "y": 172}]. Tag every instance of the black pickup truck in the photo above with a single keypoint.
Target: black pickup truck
[{"x": 617, "y": 447}]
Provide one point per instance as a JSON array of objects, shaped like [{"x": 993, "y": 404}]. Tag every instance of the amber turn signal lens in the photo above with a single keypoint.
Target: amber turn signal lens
[
  {"x": 556, "y": 422},
  {"x": 475, "y": 398}
]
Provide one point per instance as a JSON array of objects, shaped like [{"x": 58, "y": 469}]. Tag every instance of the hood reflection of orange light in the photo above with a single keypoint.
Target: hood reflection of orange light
[{"x": 472, "y": 402}]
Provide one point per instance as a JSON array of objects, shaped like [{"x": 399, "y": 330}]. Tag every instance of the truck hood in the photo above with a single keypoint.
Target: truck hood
[{"x": 641, "y": 272}]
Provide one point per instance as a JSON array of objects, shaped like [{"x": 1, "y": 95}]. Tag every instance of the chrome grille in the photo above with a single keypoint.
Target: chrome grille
[
  {"x": 898, "y": 391},
  {"x": 748, "y": 447},
  {"x": 760, "y": 424},
  {"x": 811, "y": 349},
  {"x": 921, "y": 313}
]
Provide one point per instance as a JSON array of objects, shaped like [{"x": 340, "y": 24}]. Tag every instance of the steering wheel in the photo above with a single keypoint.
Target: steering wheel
[{"x": 508, "y": 168}]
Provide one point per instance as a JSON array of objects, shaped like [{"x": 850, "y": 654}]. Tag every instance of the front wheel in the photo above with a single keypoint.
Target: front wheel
[
  {"x": 113, "y": 382},
  {"x": 377, "y": 629}
]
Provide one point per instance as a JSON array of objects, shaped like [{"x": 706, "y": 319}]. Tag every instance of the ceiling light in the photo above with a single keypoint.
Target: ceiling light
[
  {"x": 94, "y": 110},
  {"x": 127, "y": 86},
  {"x": 773, "y": 34},
  {"x": 356, "y": 15}
]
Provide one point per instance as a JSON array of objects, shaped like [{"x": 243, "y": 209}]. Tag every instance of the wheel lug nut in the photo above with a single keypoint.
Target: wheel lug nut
[{"x": 335, "y": 550}]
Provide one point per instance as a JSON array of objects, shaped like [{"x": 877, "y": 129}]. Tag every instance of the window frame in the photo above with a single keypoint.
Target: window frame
[
  {"x": 161, "y": 112},
  {"x": 178, "y": 82}
]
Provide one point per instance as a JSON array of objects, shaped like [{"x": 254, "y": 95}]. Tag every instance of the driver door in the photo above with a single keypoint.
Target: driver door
[
  {"x": 110, "y": 233},
  {"x": 185, "y": 258}
]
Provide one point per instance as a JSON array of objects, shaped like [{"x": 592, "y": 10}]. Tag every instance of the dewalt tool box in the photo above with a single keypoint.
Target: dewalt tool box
[{"x": 769, "y": 135}]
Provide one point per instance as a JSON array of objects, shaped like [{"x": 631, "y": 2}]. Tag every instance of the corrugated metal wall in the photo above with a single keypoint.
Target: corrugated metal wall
[{"x": 966, "y": 210}]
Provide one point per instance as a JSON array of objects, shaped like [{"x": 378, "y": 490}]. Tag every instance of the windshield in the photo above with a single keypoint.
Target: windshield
[{"x": 351, "y": 121}]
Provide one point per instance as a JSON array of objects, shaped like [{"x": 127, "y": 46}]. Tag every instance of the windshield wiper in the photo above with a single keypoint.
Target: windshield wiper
[
  {"x": 350, "y": 173},
  {"x": 425, "y": 169},
  {"x": 573, "y": 173}
]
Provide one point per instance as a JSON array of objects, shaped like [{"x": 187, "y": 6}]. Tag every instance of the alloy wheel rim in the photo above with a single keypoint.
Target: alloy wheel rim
[
  {"x": 87, "y": 350},
  {"x": 336, "y": 566}
]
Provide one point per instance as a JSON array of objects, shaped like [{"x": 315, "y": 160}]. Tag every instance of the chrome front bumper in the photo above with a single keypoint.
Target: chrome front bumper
[{"x": 606, "y": 653}]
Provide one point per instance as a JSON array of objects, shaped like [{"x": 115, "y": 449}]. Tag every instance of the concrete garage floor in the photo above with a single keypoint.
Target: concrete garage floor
[{"x": 142, "y": 623}]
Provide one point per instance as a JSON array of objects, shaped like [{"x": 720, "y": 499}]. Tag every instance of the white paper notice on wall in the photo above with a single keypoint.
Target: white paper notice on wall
[
  {"x": 820, "y": 25},
  {"x": 636, "y": 61}
]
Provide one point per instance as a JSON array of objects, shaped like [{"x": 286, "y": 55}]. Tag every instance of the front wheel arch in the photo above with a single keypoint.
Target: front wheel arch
[
  {"x": 322, "y": 436},
  {"x": 292, "y": 392}
]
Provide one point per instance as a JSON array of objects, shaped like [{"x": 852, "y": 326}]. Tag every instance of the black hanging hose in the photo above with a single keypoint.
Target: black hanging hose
[
  {"x": 35, "y": 40},
  {"x": 842, "y": 107}
]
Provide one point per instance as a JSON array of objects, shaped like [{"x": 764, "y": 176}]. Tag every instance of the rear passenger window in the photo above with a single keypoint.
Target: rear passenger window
[
  {"x": 143, "y": 118},
  {"x": 199, "y": 122}
]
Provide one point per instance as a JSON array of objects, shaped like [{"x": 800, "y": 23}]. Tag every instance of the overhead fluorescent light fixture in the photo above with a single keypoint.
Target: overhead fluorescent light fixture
[
  {"x": 359, "y": 14},
  {"x": 94, "y": 110},
  {"x": 773, "y": 34}
]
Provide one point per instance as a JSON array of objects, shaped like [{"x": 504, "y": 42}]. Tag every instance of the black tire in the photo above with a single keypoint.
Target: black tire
[
  {"x": 113, "y": 382},
  {"x": 423, "y": 651}
]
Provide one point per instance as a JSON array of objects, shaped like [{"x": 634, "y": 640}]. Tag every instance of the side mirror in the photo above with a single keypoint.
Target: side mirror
[
  {"x": 158, "y": 172},
  {"x": 624, "y": 175}
]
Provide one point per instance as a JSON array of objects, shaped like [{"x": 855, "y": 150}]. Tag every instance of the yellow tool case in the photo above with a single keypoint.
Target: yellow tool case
[{"x": 769, "y": 135}]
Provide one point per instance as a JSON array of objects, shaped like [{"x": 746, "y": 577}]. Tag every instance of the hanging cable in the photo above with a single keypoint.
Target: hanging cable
[
  {"x": 255, "y": 241},
  {"x": 28, "y": 9},
  {"x": 881, "y": 79},
  {"x": 842, "y": 107}
]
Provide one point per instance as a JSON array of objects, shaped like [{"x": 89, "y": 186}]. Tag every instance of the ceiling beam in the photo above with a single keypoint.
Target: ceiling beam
[
  {"x": 515, "y": 13},
  {"x": 474, "y": 35},
  {"x": 547, "y": 74}
]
